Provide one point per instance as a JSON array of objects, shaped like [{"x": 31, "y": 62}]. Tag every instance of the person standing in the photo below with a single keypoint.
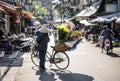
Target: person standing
[{"x": 42, "y": 40}]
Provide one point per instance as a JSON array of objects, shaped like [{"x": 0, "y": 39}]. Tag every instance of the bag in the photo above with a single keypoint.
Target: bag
[{"x": 38, "y": 38}]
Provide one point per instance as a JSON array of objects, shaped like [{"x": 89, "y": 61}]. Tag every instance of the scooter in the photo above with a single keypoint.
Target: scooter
[
  {"x": 24, "y": 44},
  {"x": 107, "y": 46},
  {"x": 21, "y": 43}
]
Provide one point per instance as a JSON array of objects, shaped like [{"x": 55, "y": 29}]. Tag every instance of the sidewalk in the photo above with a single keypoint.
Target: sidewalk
[{"x": 9, "y": 62}]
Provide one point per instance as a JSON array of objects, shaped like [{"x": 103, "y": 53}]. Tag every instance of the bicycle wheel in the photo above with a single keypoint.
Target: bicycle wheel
[
  {"x": 35, "y": 57},
  {"x": 61, "y": 60}
]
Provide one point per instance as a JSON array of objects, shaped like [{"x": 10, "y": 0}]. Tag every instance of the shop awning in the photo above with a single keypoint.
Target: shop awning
[
  {"x": 2, "y": 10},
  {"x": 111, "y": 15},
  {"x": 87, "y": 23},
  {"x": 106, "y": 18},
  {"x": 27, "y": 14},
  {"x": 89, "y": 10},
  {"x": 55, "y": 1},
  {"x": 10, "y": 8},
  {"x": 101, "y": 20},
  {"x": 68, "y": 19},
  {"x": 117, "y": 20}
]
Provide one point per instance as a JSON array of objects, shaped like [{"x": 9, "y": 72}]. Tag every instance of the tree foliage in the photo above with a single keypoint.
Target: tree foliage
[{"x": 40, "y": 10}]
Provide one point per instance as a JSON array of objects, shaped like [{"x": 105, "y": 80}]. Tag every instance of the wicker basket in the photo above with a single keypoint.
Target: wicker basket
[{"x": 61, "y": 48}]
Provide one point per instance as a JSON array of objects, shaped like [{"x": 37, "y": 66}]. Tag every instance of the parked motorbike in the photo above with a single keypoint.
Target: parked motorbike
[
  {"x": 23, "y": 44},
  {"x": 5, "y": 48}
]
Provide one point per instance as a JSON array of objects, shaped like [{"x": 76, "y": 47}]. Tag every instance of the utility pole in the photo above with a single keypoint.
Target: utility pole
[{"x": 62, "y": 11}]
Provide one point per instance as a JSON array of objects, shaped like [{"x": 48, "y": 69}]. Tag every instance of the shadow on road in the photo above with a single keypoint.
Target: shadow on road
[
  {"x": 9, "y": 63},
  {"x": 62, "y": 75},
  {"x": 45, "y": 76},
  {"x": 114, "y": 55}
]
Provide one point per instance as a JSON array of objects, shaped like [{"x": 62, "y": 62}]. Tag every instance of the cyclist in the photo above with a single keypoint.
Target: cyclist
[
  {"x": 42, "y": 40},
  {"x": 107, "y": 34}
]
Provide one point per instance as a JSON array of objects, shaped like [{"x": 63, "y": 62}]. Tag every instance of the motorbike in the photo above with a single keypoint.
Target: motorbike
[
  {"x": 5, "y": 48},
  {"x": 24, "y": 44},
  {"x": 107, "y": 46},
  {"x": 21, "y": 43}
]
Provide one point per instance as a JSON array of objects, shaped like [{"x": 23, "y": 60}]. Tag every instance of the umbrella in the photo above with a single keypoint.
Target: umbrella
[
  {"x": 86, "y": 23},
  {"x": 58, "y": 20},
  {"x": 117, "y": 21},
  {"x": 101, "y": 20}
]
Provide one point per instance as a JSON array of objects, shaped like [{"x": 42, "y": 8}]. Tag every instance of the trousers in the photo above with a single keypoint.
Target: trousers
[{"x": 42, "y": 54}]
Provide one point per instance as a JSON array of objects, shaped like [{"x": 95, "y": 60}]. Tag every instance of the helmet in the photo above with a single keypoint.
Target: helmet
[{"x": 105, "y": 27}]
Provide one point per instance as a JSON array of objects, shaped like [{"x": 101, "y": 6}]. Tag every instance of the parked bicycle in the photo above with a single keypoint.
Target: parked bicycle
[{"x": 60, "y": 59}]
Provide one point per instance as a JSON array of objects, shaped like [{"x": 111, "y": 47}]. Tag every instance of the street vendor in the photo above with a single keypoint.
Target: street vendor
[
  {"x": 42, "y": 40},
  {"x": 2, "y": 34}
]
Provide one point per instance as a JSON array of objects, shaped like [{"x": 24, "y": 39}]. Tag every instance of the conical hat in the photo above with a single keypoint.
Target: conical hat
[{"x": 44, "y": 30}]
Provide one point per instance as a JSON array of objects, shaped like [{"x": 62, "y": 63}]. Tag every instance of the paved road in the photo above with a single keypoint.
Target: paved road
[{"x": 86, "y": 64}]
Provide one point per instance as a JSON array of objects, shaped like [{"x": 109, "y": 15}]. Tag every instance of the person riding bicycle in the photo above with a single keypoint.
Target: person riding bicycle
[
  {"x": 42, "y": 40},
  {"x": 107, "y": 34}
]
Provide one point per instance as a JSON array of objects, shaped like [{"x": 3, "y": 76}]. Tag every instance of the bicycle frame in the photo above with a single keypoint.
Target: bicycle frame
[
  {"x": 53, "y": 58},
  {"x": 50, "y": 55}
]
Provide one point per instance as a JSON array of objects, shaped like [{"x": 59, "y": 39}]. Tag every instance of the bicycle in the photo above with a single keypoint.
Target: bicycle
[{"x": 60, "y": 59}]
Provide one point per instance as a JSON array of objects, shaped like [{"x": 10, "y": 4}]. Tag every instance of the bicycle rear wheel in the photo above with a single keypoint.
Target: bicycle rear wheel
[
  {"x": 35, "y": 57},
  {"x": 61, "y": 60}
]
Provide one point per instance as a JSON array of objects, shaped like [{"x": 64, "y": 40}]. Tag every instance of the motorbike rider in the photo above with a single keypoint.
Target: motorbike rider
[{"x": 107, "y": 34}]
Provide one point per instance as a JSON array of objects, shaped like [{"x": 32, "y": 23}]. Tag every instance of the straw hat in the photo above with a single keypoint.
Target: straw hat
[{"x": 44, "y": 30}]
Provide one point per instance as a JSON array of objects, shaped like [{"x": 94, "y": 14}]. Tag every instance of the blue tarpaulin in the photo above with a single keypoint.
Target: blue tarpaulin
[{"x": 111, "y": 15}]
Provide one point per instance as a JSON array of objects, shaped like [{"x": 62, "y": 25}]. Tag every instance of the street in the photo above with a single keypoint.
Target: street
[
  {"x": 87, "y": 63},
  {"x": 23, "y": 23}
]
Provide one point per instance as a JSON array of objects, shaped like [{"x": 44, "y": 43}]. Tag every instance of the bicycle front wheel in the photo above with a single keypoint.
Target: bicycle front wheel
[
  {"x": 35, "y": 57},
  {"x": 61, "y": 60}
]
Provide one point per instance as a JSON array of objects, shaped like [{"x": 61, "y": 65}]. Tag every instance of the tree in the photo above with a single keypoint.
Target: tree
[{"x": 62, "y": 7}]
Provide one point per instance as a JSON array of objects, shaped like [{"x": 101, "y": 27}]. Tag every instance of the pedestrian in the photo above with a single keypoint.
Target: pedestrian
[
  {"x": 1, "y": 33},
  {"x": 107, "y": 34},
  {"x": 42, "y": 40}
]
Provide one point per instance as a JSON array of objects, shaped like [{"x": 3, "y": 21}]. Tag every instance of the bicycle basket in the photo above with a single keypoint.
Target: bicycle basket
[{"x": 61, "y": 48}]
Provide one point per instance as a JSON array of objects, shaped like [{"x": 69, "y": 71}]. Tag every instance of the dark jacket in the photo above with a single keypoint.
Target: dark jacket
[
  {"x": 42, "y": 40},
  {"x": 107, "y": 33}
]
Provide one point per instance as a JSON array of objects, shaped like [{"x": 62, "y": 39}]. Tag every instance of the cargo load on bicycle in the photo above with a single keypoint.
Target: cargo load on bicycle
[{"x": 68, "y": 38}]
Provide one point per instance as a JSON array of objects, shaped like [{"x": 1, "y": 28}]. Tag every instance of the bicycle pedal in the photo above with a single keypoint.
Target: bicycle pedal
[{"x": 51, "y": 60}]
